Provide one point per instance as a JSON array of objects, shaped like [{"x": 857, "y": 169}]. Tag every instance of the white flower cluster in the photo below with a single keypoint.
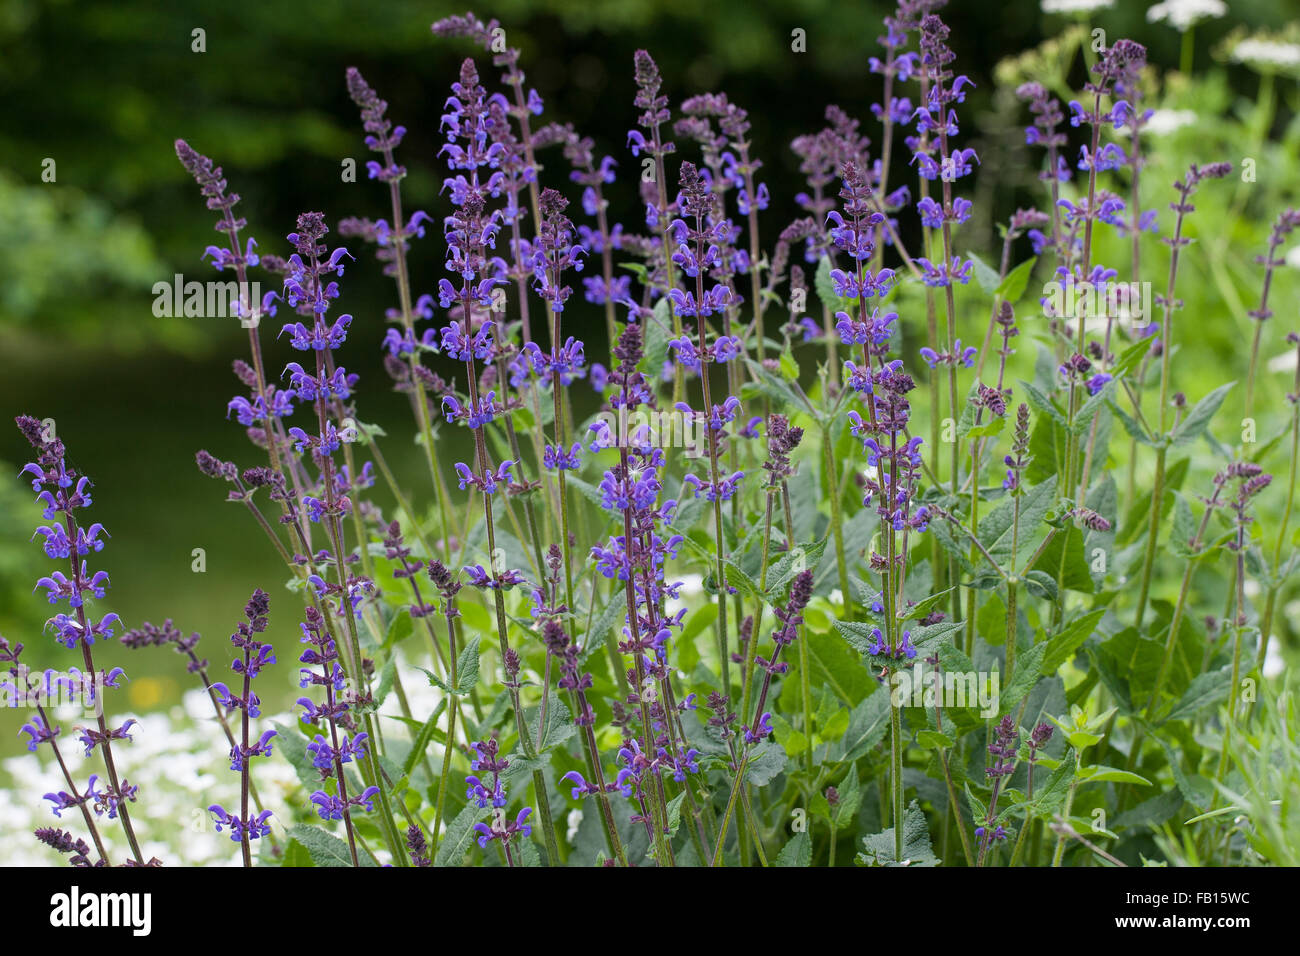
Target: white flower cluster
[
  {"x": 1263, "y": 54},
  {"x": 1075, "y": 6},
  {"x": 1182, "y": 15},
  {"x": 180, "y": 761}
]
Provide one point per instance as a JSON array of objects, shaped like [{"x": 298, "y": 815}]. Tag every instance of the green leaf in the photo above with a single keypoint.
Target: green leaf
[
  {"x": 421, "y": 742},
  {"x": 789, "y": 367},
  {"x": 988, "y": 429},
  {"x": 878, "y": 849},
  {"x": 793, "y": 741},
  {"x": 614, "y": 613},
  {"x": 1049, "y": 798},
  {"x": 296, "y": 855},
  {"x": 1206, "y": 690},
  {"x": 766, "y": 761},
  {"x": 1198, "y": 419},
  {"x": 774, "y": 387},
  {"x": 1013, "y": 286},
  {"x": 1195, "y": 789},
  {"x": 466, "y": 671},
  {"x": 1131, "y": 356},
  {"x": 933, "y": 740},
  {"x": 467, "y": 668},
  {"x": 831, "y": 663},
  {"x": 559, "y": 727},
  {"x": 325, "y": 848},
  {"x": 1184, "y": 529},
  {"x": 987, "y": 277},
  {"x": 995, "y": 531},
  {"x": 850, "y": 791},
  {"x": 868, "y": 723},
  {"x": 803, "y": 557},
  {"x": 1041, "y": 584},
  {"x": 657, "y": 333},
  {"x": 1131, "y": 425},
  {"x": 1061, "y": 647},
  {"x": 458, "y": 838},
  {"x": 1041, "y": 402},
  {"x": 294, "y": 748},
  {"x": 675, "y": 813},
  {"x": 797, "y": 851},
  {"x": 399, "y": 628},
  {"x": 1151, "y": 812},
  {"x": 386, "y": 676},
  {"x": 1023, "y": 679},
  {"x": 1100, "y": 774},
  {"x": 1088, "y": 411},
  {"x": 1066, "y": 549},
  {"x": 924, "y": 606}
]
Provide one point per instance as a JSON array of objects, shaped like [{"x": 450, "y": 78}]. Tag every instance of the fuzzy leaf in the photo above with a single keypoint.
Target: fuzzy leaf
[
  {"x": 1061, "y": 647},
  {"x": 459, "y": 837},
  {"x": 1013, "y": 286},
  {"x": 878, "y": 849},
  {"x": 797, "y": 851},
  {"x": 325, "y": 848},
  {"x": 1198, "y": 419}
]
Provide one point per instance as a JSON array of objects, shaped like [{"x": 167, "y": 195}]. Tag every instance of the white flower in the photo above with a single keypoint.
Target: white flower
[
  {"x": 692, "y": 585},
  {"x": 1075, "y": 6},
  {"x": 1285, "y": 362},
  {"x": 1274, "y": 663},
  {"x": 1267, "y": 54},
  {"x": 1185, "y": 14},
  {"x": 1164, "y": 122},
  {"x": 1293, "y": 257}
]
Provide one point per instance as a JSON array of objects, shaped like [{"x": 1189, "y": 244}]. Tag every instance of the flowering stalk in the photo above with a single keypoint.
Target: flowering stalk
[
  {"x": 150, "y": 635},
  {"x": 548, "y": 612},
  {"x": 655, "y": 114},
  {"x": 469, "y": 233},
  {"x": 237, "y": 258},
  {"x": 937, "y": 116},
  {"x": 448, "y": 587},
  {"x": 1003, "y": 750},
  {"x": 64, "y": 539},
  {"x": 486, "y": 760},
  {"x": 1277, "y": 578},
  {"x": 329, "y": 755},
  {"x": 1286, "y": 223},
  {"x": 42, "y": 730},
  {"x": 382, "y": 137},
  {"x": 782, "y": 440},
  {"x": 1121, "y": 69},
  {"x": 1186, "y": 187},
  {"x": 555, "y": 253},
  {"x": 698, "y": 204},
  {"x": 791, "y": 617},
  {"x": 307, "y": 291},
  {"x": 255, "y": 655}
]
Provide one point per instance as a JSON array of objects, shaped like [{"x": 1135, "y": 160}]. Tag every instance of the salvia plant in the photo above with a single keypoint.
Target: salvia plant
[{"x": 732, "y": 542}]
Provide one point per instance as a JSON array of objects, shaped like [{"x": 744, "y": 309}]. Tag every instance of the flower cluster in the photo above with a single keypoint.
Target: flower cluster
[
  {"x": 329, "y": 754},
  {"x": 63, "y": 492},
  {"x": 252, "y": 655}
]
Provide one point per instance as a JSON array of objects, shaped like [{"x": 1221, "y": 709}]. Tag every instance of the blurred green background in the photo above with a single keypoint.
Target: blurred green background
[{"x": 103, "y": 89}]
